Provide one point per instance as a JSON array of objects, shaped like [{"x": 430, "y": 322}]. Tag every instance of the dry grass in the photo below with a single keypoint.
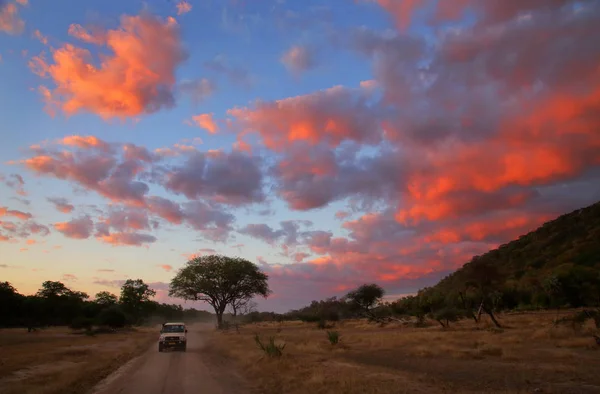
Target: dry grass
[
  {"x": 529, "y": 354},
  {"x": 56, "y": 360}
]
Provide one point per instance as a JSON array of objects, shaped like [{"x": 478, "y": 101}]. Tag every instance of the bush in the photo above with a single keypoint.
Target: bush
[
  {"x": 81, "y": 322},
  {"x": 112, "y": 317},
  {"x": 333, "y": 337},
  {"x": 271, "y": 349}
]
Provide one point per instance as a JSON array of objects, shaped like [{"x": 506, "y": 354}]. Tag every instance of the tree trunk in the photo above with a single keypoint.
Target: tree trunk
[
  {"x": 479, "y": 311},
  {"x": 219, "y": 319},
  {"x": 491, "y": 314}
]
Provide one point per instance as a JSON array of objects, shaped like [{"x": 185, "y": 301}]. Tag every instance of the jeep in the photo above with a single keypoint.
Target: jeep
[{"x": 173, "y": 336}]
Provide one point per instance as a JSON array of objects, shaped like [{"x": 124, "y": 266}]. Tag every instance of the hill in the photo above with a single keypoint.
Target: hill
[{"x": 557, "y": 265}]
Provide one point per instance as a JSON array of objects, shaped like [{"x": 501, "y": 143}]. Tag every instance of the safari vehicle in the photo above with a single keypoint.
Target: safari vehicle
[{"x": 173, "y": 336}]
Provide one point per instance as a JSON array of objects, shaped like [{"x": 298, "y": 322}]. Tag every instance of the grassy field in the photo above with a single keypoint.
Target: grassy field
[
  {"x": 57, "y": 360},
  {"x": 529, "y": 355}
]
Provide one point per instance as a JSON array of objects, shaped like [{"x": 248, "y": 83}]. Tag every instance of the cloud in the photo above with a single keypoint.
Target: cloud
[
  {"x": 127, "y": 83},
  {"x": 230, "y": 178},
  {"x": 288, "y": 233},
  {"x": 4, "y": 211},
  {"x": 79, "y": 228},
  {"x": 166, "y": 267},
  {"x": 183, "y": 7},
  {"x": 198, "y": 89},
  {"x": 299, "y": 59},
  {"x": 16, "y": 182},
  {"x": 236, "y": 75},
  {"x": 206, "y": 122},
  {"x": 39, "y": 36},
  {"x": 61, "y": 204},
  {"x": 69, "y": 277},
  {"x": 9, "y": 19},
  {"x": 127, "y": 239},
  {"x": 329, "y": 116},
  {"x": 97, "y": 36}
]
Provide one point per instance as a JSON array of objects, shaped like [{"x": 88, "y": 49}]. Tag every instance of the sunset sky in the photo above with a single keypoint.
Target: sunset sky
[{"x": 332, "y": 142}]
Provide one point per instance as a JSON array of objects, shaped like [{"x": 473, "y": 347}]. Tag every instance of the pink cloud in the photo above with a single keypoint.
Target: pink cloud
[
  {"x": 127, "y": 239},
  {"x": 166, "y": 267},
  {"x": 128, "y": 82},
  {"x": 97, "y": 36},
  {"x": 61, "y": 204},
  {"x": 9, "y": 19},
  {"x": 39, "y": 36},
  {"x": 80, "y": 228},
  {"x": 329, "y": 116},
  {"x": 206, "y": 122},
  {"x": 298, "y": 59},
  {"x": 4, "y": 211}
]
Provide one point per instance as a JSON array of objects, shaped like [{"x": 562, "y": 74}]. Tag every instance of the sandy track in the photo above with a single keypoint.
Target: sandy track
[{"x": 172, "y": 372}]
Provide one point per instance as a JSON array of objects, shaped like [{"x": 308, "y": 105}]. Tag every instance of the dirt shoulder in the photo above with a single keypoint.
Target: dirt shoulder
[
  {"x": 56, "y": 360},
  {"x": 530, "y": 355}
]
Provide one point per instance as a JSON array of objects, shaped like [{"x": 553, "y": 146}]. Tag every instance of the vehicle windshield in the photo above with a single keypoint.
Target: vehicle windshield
[{"x": 174, "y": 328}]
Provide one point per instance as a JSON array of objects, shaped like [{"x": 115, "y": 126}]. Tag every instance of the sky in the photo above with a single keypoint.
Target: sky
[{"x": 333, "y": 143}]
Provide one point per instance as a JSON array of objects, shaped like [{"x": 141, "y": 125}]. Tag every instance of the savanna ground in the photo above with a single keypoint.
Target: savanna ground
[
  {"x": 530, "y": 354},
  {"x": 58, "y": 360}
]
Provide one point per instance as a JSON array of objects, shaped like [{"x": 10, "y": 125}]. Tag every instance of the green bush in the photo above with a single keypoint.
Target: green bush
[
  {"x": 112, "y": 317},
  {"x": 333, "y": 337},
  {"x": 271, "y": 349}
]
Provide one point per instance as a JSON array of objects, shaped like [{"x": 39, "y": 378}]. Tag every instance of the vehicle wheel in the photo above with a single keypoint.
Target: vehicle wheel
[{"x": 160, "y": 347}]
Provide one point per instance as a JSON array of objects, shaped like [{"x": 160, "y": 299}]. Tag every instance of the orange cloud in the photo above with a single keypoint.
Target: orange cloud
[
  {"x": 84, "y": 142},
  {"x": 329, "y": 116},
  {"x": 137, "y": 78},
  {"x": 207, "y": 122},
  {"x": 4, "y": 211},
  {"x": 166, "y": 267},
  {"x": 183, "y": 7}
]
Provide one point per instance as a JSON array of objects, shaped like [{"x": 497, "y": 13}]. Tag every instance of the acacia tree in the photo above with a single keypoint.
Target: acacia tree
[
  {"x": 367, "y": 300},
  {"x": 220, "y": 281}
]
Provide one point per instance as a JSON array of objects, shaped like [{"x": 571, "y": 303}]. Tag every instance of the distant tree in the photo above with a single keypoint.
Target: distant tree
[
  {"x": 112, "y": 316},
  {"x": 367, "y": 300},
  {"x": 105, "y": 299},
  {"x": 219, "y": 281},
  {"x": 10, "y": 304},
  {"x": 484, "y": 278},
  {"x": 52, "y": 289},
  {"x": 135, "y": 299}
]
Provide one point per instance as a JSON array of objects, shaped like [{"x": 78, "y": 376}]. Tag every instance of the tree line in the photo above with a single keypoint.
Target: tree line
[{"x": 55, "y": 304}]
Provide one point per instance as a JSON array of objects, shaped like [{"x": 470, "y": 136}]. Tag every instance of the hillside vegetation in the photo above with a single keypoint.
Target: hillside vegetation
[{"x": 555, "y": 266}]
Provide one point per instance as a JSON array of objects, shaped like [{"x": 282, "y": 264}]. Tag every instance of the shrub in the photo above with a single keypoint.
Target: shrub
[
  {"x": 112, "y": 317},
  {"x": 333, "y": 337},
  {"x": 81, "y": 322},
  {"x": 271, "y": 349}
]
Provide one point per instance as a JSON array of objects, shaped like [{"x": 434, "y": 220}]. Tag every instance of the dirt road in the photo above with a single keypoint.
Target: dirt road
[{"x": 173, "y": 372}]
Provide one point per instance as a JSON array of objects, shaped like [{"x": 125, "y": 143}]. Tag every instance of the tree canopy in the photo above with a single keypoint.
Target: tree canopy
[{"x": 220, "y": 281}]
